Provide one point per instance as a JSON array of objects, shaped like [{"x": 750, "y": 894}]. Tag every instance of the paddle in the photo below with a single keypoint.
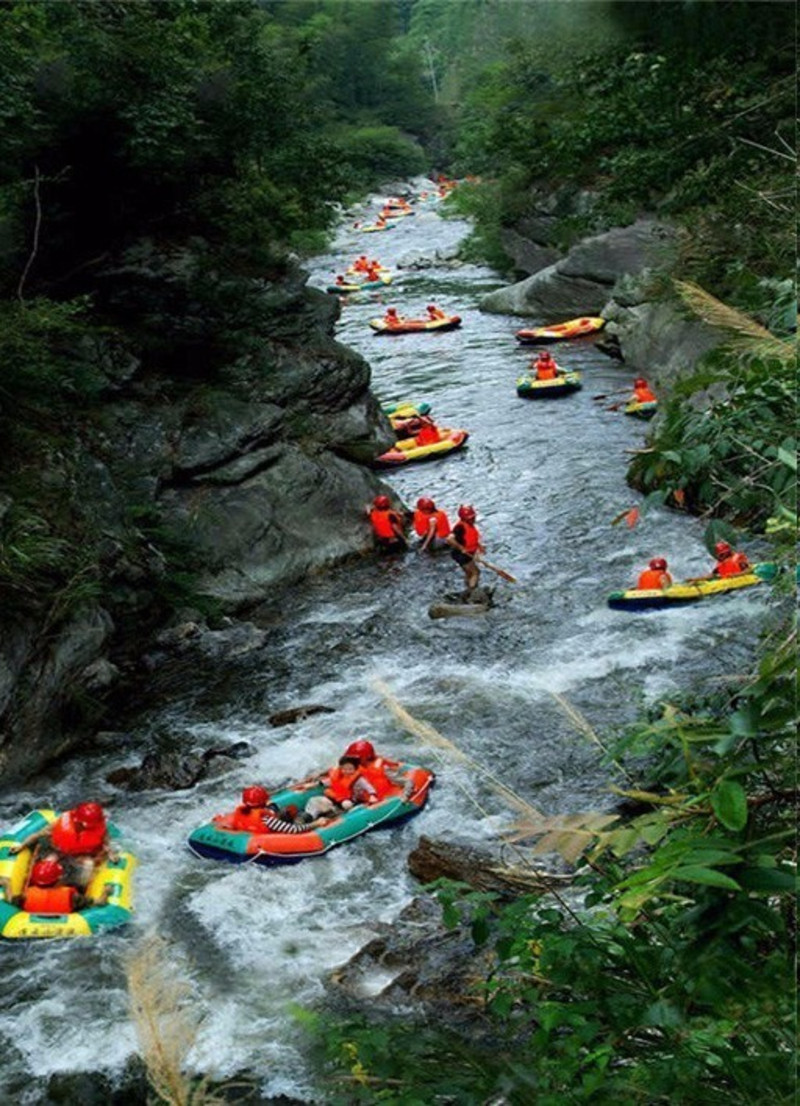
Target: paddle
[
  {"x": 500, "y": 571},
  {"x": 616, "y": 406},
  {"x": 608, "y": 395}
]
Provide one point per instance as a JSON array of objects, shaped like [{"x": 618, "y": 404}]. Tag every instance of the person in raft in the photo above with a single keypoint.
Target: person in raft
[
  {"x": 465, "y": 541},
  {"x": 256, "y": 814},
  {"x": 362, "y": 263},
  {"x": 435, "y": 312},
  {"x": 545, "y": 366},
  {"x": 428, "y": 434},
  {"x": 641, "y": 392},
  {"x": 388, "y": 527},
  {"x": 655, "y": 576},
  {"x": 79, "y": 837},
  {"x": 48, "y": 891},
  {"x": 376, "y": 777},
  {"x": 391, "y": 318},
  {"x": 431, "y": 524},
  {"x": 729, "y": 562},
  {"x": 339, "y": 783}
]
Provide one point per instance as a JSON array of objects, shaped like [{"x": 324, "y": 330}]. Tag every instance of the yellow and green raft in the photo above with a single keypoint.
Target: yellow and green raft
[
  {"x": 528, "y": 387},
  {"x": 14, "y": 868},
  {"x": 676, "y": 595}
]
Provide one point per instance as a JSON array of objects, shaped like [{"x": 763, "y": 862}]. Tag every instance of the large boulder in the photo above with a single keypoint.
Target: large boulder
[{"x": 581, "y": 282}]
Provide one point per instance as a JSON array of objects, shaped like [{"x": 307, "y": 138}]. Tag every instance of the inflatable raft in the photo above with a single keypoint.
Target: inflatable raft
[
  {"x": 641, "y": 410},
  {"x": 374, "y": 227},
  {"x": 359, "y": 286},
  {"x": 407, "y": 449},
  {"x": 116, "y": 875},
  {"x": 640, "y": 599},
  {"x": 573, "y": 328},
  {"x": 216, "y": 841},
  {"x": 530, "y": 388},
  {"x": 413, "y": 326}
]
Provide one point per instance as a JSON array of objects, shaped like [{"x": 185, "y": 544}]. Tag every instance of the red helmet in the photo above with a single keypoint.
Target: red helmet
[
  {"x": 545, "y": 355},
  {"x": 255, "y": 796},
  {"x": 431, "y": 307},
  {"x": 391, "y": 310},
  {"x": 45, "y": 873},
  {"x": 466, "y": 513},
  {"x": 89, "y": 814},
  {"x": 659, "y": 564},
  {"x": 362, "y": 749},
  {"x": 722, "y": 549},
  {"x": 426, "y": 505},
  {"x": 640, "y": 382},
  {"x": 382, "y": 502}
]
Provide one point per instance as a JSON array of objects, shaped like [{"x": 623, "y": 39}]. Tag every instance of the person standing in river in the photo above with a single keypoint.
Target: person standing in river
[{"x": 465, "y": 540}]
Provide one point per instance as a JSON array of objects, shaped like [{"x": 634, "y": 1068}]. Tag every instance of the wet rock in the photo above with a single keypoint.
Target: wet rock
[
  {"x": 581, "y": 282},
  {"x": 297, "y": 714},
  {"x": 163, "y": 771},
  {"x": 240, "y": 750}
]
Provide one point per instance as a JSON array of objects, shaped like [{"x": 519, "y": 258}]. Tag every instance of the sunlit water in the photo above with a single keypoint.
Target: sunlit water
[{"x": 546, "y": 479}]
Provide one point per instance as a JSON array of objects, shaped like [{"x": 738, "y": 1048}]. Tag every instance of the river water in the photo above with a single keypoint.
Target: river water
[{"x": 546, "y": 479}]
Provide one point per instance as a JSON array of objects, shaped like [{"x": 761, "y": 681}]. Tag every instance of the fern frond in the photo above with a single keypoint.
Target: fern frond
[{"x": 746, "y": 334}]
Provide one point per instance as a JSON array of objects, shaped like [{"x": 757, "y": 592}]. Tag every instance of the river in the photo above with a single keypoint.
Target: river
[{"x": 546, "y": 480}]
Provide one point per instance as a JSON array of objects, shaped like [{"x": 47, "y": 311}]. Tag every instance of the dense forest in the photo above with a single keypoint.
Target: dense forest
[{"x": 228, "y": 136}]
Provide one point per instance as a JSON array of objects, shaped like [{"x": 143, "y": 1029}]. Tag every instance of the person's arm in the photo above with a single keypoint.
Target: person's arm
[
  {"x": 30, "y": 840},
  {"x": 426, "y": 541}
]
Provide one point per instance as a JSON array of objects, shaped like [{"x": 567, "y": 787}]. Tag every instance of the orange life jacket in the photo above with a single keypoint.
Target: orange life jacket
[
  {"x": 546, "y": 371},
  {"x": 67, "y": 838},
  {"x": 49, "y": 900},
  {"x": 340, "y": 786},
  {"x": 428, "y": 435},
  {"x": 249, "y": 818},
  {"x": 422, "y": 522},
  {"x": 733, "y": 565},
  {"x": 467, "y": 535},
  {"x": 375, "y": 775},
  {"x": 644, "y": 395},
  {"x": 654, "y": 579},
  {"x": 382, "y": 520}
]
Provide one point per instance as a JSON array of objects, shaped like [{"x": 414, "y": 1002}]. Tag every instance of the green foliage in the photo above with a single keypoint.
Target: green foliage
[
  {"x": 646, "y": 125},
  {"x": 672, "y": 980},
  {"x": 372, "y": 154},
  {"x": 730, "y": 457}
]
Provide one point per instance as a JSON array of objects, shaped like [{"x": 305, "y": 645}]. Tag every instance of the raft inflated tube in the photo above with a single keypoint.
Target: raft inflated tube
[
  {"x": 360, "y": 286},
  {"x": 116, "y": 875},
  {"x": 217, "y": 841},
  {"x": 407, "y": 450},
  {"x": 641, "y": 410},
  {"x": 676, "y": 595},
  {"x": 573, "y": 328},
  {"x": 414, "y": 326},
  {"x": 528, "y": 387},
  {"x": 404, "y": 410}
]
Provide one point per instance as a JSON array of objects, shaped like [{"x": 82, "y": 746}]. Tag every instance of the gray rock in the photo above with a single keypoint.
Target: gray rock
[{"x": 581, "y": 282}]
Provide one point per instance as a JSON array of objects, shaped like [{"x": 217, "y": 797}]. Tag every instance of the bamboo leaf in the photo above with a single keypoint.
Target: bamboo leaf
[
  {"x": 693, "y": 873},
  {"x": 729, "y": 803}
]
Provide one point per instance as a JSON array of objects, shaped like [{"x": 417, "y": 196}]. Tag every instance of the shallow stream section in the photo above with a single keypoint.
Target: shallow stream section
[{"x": 546, "y": 480}]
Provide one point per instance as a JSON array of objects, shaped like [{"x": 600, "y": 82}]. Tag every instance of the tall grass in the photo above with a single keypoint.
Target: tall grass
[{"x": 166, "y": 1017}]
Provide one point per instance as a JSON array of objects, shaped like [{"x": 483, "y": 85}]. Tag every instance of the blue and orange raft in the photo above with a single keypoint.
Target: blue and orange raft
[{"x": 217, "y": 841}]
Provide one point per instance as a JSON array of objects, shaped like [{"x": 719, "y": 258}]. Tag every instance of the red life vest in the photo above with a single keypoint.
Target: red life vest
[
  {"x": 382, "y": 520},
  {"x": 71, "y": 840},
  {"x": 546, "y": 371},
  {"x": 422, "y": 523},
  {"x": 249, "y": 819},
  {"x": 428, "y": 435},
  {"x": 49, "y": 900},
  {"x": 653, "y": 579},
  {"x": 340, "y": 786},
  {"x": 467, "y": 536},
  {"x": 733, "y": 565},
  {"x": 644, "y": 395}
]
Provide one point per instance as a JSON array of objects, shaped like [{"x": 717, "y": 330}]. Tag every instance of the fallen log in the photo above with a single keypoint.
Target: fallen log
[{"x": 483, "y": 870}]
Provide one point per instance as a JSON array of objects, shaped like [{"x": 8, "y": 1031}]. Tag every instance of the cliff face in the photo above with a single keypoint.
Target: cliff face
[{"x": 241, "y": 466}]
